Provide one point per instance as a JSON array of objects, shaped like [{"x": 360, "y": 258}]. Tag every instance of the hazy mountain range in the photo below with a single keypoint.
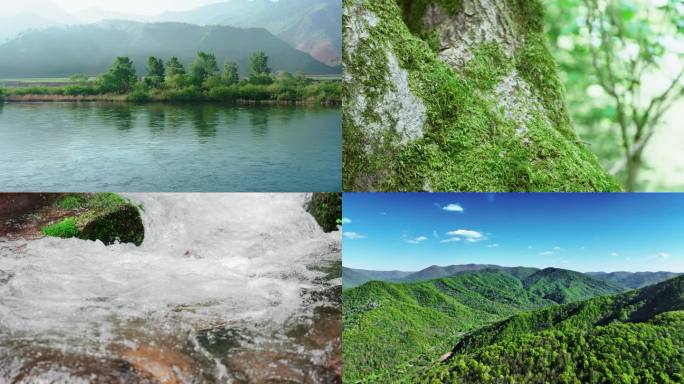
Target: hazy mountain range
[
  {"x": 354, "y": 277},
  {"x": 311, "y": 26},
  {"x": 91, "y": 48}
]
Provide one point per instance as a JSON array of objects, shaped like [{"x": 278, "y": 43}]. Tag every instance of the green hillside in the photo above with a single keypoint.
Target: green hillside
[
  {"x": 313, "y": 26},
  {"x": 563, "y": 286},
  {"x": 635, "y": 279},
  {"x": 389, "y": 328},
  {"x": 90, "y": 49},
  {"x": 634, "y": 337}
]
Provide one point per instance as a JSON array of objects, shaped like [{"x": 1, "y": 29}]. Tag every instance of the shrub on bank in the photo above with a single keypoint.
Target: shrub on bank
[
  {"x": 190, "y": 93},
  {"x": 81, "y": 90}
]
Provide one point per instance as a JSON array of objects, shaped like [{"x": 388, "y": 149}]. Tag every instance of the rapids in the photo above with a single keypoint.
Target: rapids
[{"x": 226, "y": 288}]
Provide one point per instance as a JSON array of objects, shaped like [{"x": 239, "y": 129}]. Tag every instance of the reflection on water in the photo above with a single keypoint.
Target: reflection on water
[
  {"x": 168, "y": 147},
  {"x": 226, "y": 288}
]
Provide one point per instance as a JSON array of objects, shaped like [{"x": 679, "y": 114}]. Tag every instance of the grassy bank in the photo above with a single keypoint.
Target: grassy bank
[
  {"x": 171, "y": 81},
  {"x": 308, "y": 92}
]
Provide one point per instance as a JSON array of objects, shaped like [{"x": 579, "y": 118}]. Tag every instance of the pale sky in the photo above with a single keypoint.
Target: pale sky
[{"x": 147, "y": 7}]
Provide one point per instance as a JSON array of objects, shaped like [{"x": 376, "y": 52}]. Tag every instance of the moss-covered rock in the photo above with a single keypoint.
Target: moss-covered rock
[
  {"x": 120, "y": 224},
  {"x": 326, "y": 208},
  {"x": 101, "y": 216},
  {"x": 446, "y": 95}
]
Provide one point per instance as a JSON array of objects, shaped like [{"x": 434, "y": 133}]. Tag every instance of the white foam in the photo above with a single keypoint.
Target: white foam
[{"x": 206, "y": 259}]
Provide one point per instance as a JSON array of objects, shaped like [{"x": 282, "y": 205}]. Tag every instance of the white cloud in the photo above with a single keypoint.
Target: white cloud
[
  {"x": 435, "y": 234},
  {"x": 492, "y": 245},
  {"x": 453, "y": 208},
  {"x": 468, "y": 235},
  {"x": 383, "y": 213},
  {"x": 417, "y": 240},
  {"x": 354, "y": 236},
  {"x": 451, "y": 240},
  {"x": 615, "y": 254},
  {"x": 547, "y": 253},
  {"x": 529, "y": 247},
  {"x": 346, "y": 220},
  {"x": 556, "y": 248},
  {"x": 465, "y": 235}
]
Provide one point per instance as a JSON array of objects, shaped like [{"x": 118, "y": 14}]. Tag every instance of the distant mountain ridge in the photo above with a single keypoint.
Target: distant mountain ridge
[
  {"x": 354, "y": 277},
  {"x": 635, "y": 279},
  {"x": 312, "y": 26},
  {"x": 91, "y": 49}
]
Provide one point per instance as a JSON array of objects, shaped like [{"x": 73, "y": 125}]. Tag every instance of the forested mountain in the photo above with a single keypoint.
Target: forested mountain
[
  {"x": 563, "y": 286},
  {"x": 91, "y": 49},
  {"x": 313, "y": 26},
  {"x": 634, "y": 337},
  {"x": 388, "y": 326},
  {"x": 635, "y": 279}
]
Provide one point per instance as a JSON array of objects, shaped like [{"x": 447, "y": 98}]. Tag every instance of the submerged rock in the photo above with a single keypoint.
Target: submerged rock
[{"x": 42, "y": 365}]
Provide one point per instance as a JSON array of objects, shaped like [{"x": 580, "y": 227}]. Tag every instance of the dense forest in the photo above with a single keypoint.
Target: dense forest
[
  {"x": 634, "y": 337},
  {"x": 403, "y": 332},
  {"x": 203, "y": 80}
]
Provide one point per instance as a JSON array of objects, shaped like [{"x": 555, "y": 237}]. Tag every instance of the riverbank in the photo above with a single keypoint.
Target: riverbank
[
  {"x": 310, "y": 93},
  {"x": 39, "y": 98},
  {"x": 90, "y": 216}
]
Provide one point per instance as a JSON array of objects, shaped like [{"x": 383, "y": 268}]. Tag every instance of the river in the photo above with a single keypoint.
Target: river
[{"x": 121, "y": 147}]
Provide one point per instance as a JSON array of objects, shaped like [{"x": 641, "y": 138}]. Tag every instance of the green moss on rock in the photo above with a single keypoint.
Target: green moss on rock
[
  {"x": 101, "y": 216},
  {"x": 326, "y": 208},
  {"x": 120, "y": 224},
  {"x": 64, "y": 229},
  {"x": 469, "y": 140}
]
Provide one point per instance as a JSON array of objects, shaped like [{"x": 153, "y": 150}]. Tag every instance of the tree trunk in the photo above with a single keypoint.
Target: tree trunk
[
  {"x": 633, "y": 167},
  {"x": 457, "y": 95}
]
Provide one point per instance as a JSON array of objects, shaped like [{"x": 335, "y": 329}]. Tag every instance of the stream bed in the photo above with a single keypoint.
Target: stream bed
[{"x": 226, "y": 288}]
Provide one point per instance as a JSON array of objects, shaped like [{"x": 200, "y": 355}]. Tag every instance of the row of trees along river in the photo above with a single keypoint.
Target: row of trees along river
[{"x": 203, "y": 80}]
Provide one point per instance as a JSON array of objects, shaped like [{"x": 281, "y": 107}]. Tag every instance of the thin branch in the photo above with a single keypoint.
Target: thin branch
[{"x": 636, "y": 148}]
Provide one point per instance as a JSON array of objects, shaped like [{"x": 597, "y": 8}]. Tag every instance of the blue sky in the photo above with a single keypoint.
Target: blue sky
[{"x": 582, "y": 232}]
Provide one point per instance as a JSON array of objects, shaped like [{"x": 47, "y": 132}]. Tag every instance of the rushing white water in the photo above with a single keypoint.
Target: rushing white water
[{"x": 208, "y": 260}]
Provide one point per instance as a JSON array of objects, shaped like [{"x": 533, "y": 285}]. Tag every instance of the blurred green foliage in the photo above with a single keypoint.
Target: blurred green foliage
[{"x": 610, "y": 53}]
